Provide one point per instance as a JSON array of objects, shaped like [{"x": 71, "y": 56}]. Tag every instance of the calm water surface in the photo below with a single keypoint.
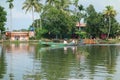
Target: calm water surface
[{"x": 33, "y": 62}]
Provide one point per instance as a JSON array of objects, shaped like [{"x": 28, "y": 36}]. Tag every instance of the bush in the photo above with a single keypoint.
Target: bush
[{"x": 32, "y": 38}]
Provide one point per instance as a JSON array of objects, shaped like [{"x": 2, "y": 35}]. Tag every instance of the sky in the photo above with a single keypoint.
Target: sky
[{"x": 22, "y": 20}]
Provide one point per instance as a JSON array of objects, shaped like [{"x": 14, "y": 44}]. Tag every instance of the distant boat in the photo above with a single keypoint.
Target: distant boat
[{"x": 56, "y": 44}]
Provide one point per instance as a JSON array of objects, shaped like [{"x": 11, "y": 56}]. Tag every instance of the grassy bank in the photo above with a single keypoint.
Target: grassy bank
[{"x": 109, "y": 41}]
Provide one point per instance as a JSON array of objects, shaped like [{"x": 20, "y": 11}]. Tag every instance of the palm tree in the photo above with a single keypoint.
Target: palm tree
[
  {"x": 51, "y": 2},
  {"x": 80, "y": 7},
  {"x": 10, "y": 7},
  {"x": 75, "y": 3},
  {"x": 109, "y": 13},
  {"x": 63, "y": 5},
  {"x": 39, "y": 10},
  {"x": 32, "y": 5},
  {"x": 80, "y": 14}
]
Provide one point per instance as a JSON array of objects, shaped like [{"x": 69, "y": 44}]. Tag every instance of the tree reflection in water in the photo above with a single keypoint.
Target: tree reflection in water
[
  {"x": 81, "y": 53},
  {"x": 79, "y": 62},
  {"x": 102, "y": 60},
  {"x": 56, "y": 62},
  {"x": 11, "y": 75},
  {"x": 2, "y": 63}
]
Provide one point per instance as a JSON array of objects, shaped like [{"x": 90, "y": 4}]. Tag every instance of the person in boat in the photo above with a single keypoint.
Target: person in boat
[
  {"x": 73, "y": 41},
  {"x": 65, "y": 42}
]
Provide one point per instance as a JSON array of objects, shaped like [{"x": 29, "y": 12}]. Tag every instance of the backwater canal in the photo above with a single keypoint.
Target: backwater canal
[{"x": 26, "y": 61}]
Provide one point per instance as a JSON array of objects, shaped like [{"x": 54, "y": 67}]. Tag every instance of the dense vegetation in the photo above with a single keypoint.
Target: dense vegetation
[
  {"x": 2, "y": 18},
  {"x": 59, "y": 20}
]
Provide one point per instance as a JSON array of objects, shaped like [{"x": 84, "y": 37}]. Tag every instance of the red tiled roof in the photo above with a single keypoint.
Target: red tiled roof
[{"x": 80, "y": 24}]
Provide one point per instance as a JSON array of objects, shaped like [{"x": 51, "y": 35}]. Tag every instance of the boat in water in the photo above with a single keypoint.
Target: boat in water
[{"x": 56, "y": 44}]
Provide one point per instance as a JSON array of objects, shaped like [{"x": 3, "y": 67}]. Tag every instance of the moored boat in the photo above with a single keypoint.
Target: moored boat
[{"x": 56, "y": 44}]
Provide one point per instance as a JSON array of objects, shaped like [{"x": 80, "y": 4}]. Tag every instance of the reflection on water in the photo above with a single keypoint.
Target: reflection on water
[
  {"x": 33, "y": 62},
  {"x": 2, "y": 63}
]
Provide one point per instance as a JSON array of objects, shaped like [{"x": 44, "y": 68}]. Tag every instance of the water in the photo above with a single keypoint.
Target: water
[{"x": 33, "y": 62}]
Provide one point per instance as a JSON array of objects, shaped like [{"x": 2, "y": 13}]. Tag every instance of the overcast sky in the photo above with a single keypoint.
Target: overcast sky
[{"x": 22, "y": 20}]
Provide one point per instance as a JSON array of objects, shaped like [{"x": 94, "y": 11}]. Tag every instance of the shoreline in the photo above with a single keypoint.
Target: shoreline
[
  {"x": 28, "y": 41},
  {"x": 110, "y": 41}
]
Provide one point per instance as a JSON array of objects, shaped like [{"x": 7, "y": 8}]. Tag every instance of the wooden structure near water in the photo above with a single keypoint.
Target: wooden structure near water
[{"x": 89, "y": 41}]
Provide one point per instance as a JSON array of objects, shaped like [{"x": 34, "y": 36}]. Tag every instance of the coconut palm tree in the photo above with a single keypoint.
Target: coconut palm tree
[
  {"x": 39, "y": 10},
  {"x": 109, "y": 13},
  {"x": 80, "y": 14},
  {"x": 63, "y": 5},
  {"x": 75, "y": 3},
  {"x": 10, "y": 7},
  {"x": 32, "y": 5},
  {"x": 80, "y": 7},
  {"x": 51, "y": 2}
]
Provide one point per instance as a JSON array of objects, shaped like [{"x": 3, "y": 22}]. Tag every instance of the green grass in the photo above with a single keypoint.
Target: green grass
[{"x": 110, "y": 41}]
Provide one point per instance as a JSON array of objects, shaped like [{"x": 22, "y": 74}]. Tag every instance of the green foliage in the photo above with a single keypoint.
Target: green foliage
[
  {"x": 99, "y": 23},
  {"x": 51, "y": 2},
  {"x": 109, "y": 14},
  {"x": 32, "y": 38},
  {"x": 10, "y": 3},
  {"x": 2, "y": 18},
  {"x": 109, "y": 11},
  {"x": 93, "y": 21},
  {"x": 32, "y": 5},
  {"x": 40, "y": 32},
  {"x": 82, "y": 34},
  {"x": 115, "y": 27},
  {"x": 57, "y": 22}
]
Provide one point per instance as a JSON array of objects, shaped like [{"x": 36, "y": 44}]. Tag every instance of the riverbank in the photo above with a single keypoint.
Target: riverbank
[
  {"x": 28, "y": 41},
  {"x": 109, "y": 41}
]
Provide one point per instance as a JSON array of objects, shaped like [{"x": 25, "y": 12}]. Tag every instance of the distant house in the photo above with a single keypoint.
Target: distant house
[
  {"x": 21, "y": 36},
  {"x": 78, "y": 24}
]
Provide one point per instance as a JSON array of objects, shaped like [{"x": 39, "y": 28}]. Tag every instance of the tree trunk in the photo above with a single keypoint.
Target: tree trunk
[
  {"x": 109, "y": 28},
  {"x": 40, "y": 22},
  {"x": 33, "y": 16},
  {"x": 60, "y": 36},
  {"x": 10, "y": 20},
  {"x": 56, "y": 36}
]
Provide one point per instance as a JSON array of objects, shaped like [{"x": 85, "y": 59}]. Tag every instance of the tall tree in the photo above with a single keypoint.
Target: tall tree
[
  {"x": 80, "y": 15},
  {"x": 109, "y": 13},
  {"x": 93, "y": 21},
  {"x": 2, "y": 19},
  {"x": 10, "y": 7},
  {"x": 32, "y": 5},
  {"x": 57, "y": 22},
  {"x": 39, "y": 10}
]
